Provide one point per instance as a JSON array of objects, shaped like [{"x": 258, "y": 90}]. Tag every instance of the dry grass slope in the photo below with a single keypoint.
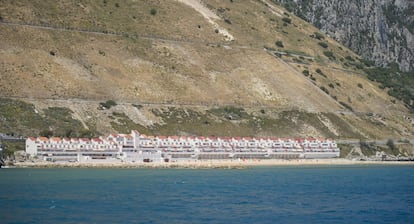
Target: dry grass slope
[{"x": 210, "y": 54}]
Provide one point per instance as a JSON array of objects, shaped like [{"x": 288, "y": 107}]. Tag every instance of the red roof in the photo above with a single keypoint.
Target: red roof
[
  {"x": 45, "y": 139},
  {"x": 55, "y": 139},
  {"x": 96, "y": 140}
]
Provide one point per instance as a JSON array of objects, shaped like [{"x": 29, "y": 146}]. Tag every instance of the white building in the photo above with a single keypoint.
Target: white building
[{"x": 136, "y": 147}]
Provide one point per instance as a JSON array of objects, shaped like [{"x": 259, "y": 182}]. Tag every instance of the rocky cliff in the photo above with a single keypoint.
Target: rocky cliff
[{"x": 379, "y": 30}]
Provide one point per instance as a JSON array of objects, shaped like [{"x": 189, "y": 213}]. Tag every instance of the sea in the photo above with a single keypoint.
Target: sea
[{"x": 302, "y": 194}]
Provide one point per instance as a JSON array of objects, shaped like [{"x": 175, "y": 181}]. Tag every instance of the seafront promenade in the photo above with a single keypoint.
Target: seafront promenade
[{"x": 210, "y": 164}]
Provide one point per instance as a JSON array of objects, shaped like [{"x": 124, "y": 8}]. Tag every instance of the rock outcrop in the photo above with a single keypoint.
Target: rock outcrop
[{"x": 379, "y": 30}]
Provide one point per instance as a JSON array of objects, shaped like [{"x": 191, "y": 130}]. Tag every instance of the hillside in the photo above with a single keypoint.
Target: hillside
[{"x": 183, "y": 67}]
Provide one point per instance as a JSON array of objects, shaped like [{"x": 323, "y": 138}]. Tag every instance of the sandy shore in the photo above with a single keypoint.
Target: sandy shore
[{"x": 205, "y": 164}]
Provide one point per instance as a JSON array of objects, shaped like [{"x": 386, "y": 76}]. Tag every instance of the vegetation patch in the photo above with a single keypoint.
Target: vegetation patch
[
  {"x": 63, "y": 123},
  {"x": 346, "y": 130},
  {"x": 230, "y": 112},
  {"x": 153, "y": 11},
  {"x": 19, "y": 118},
  {"x": 323, "y": 88},
  {"x": 106, "y": 105},
  {"x": 279, "y": 43},
  {"x": 9, "y": 148},
  {"x": 346, "y": 106},
  {"x": 287, "y": 20},
  {"x": 123, "y": 124},
  {"x": 323, "y": 44},
  {"x": 330, "y": 55},
  {"x": 399, "y": 84},
  {"x": 345, "y": 149},
  {"x": 191, "y": 122},
  {"x": 319, "y": 71},
  {"x": 368, "y": 148},
  {"x": 318, "y": 36}
]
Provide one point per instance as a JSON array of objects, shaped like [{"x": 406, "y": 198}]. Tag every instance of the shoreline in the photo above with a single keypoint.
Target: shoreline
[{"x": 207, "y": 164}]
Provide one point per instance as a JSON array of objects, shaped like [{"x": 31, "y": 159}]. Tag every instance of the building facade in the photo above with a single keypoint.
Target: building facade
[{"x": 136, "y": 147}]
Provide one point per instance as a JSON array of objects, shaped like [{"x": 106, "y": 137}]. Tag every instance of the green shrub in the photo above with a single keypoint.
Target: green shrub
[
  {"x": 360, "y": 85},
  {"x": 367, "y": 62},
  {"x": 390, "y": 144},
  {"x": 359, "y": 65},
  {"x": 279, "y": 43},
  {"x": 346, "y": 106},
  {"x": 287, "y": 20},
  {"x": 349, "y": 58},
  {"x": 108, "y": 104},
  {"x": 318, "y": 36},
  {"x": 46, "y": 133},
  {"x": 138, "y": 106},
  {"x": 230, "y": 112},
  {"x": 329, "y": 54},
  {"x": 324, "y": 89},
  {"x": 323, "y": 44},
  {"x": 305, "y": 72},
  {"x": 319, "y": 71},
  {"x": 153, "y": 11}
]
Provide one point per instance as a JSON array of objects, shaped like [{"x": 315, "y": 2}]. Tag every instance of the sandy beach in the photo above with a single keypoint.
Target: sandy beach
[{"x": 206, "y": 164}]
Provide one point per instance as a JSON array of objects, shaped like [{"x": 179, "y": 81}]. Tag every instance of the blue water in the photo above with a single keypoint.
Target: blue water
[{"x": 356, "y": 194}]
